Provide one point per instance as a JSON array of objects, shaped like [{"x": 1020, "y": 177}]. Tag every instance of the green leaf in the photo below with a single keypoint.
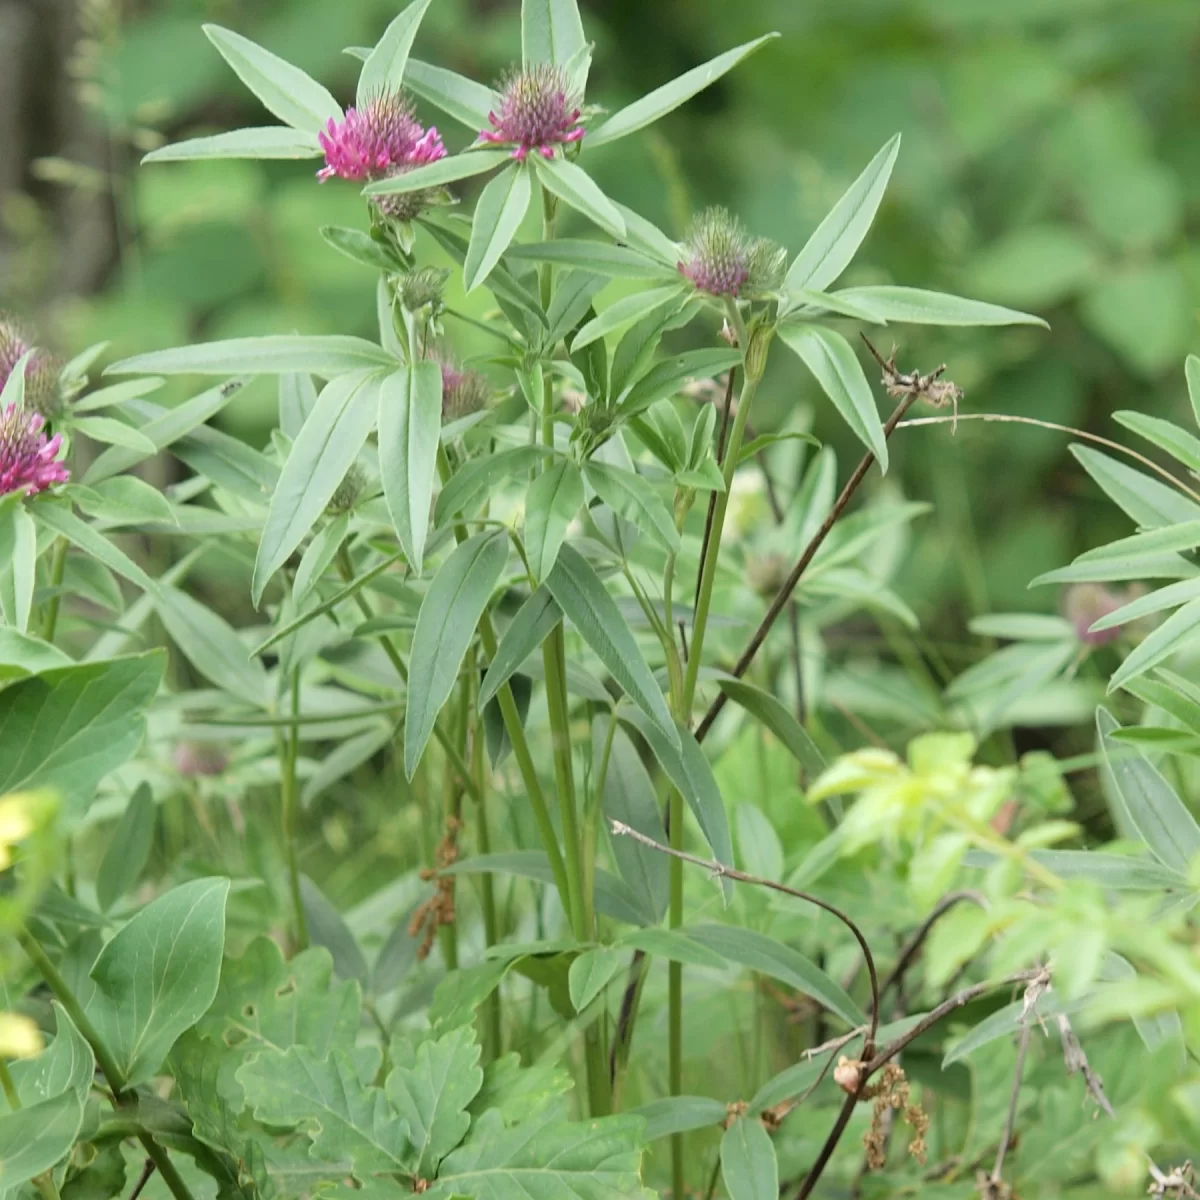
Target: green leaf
[
  {"x": 397, "y": 956},
  {"x": 1166, "y": 435},
  {"x": 748, "y": 1164},
  {"x": 1175, "y": 632},
  {"x": 622, "y": 312},
  {"x": 1151, "y": 804},
  {"x": 668, "y": 377},
  {"x": 328, "y": 929},
  {"x": 1116, "y": 872},
  {"x": 1138, "y": 566},
  {"x": 22, "y": 655},
  {"x": 126, "y": 500},
  {"x": 498, "y": 215},
  {"x": 633, "y": 498},
  {"x": 1192, "y": 371},
  {"x": 645, "y": 236},
  {"x": 278, "y": 354},
  {"x": 111, "y": 432},
  {"x": 318, "y": 554},
  {"x": 634, "y": 354},
  {"x": 673, "y": 944},
  {"x": 1150, "y": 503},
  {"x": 285, "y": 90},
  {"x": 352, "y": 1126},
  {"x": 629, "y": 797},
  {"x": 383, "y": 72},
  {"x": 1183, "y": 536},
  {"x": 450, "y": 611},
  {"x": 362, "y": 248},
  {"x": 680, "y": 1114},
  {"x": 477, "y": 479},
  {"x": 553, "y": 500},
  {"x": 432, "y": 1094},
  {"x": 551, "y": 31},
  {"x": 158, "y": 976},
  {"x": 671, "y": 95},
  {"x": 463, "y": 99},
  {"x": 587, "y": 604},
  {"x": 67, "y": 728},
  {"x": 410, "y": 425},
  {"x": 66, "y": 1065},
  {"x": 128, "y": 849},
  {"x": 770, "y": 712},
  {"x": 212, "y": 646},
  {"x": 324, "y": 451},
  {"x": 689, "y": 770},
  {"x": 614, "y": 262},
  {"x": 591, "y": 973},
  {"x": 770, "y": 957},
  {"x": 1022, "y": 627},
  {"x": 832, "y": 361},
  {"x": 1173, "y": 695},
  {"x": 914, "y": 306},
  {"x": 19, "y": 549},
  {"x": 347, "y": 756},
  {"x": 534, "y": 622},
  {"x": 829, "y": 251},
  {"x": 80, "y": 534},
  {"x": 34, "y": 1139},
  {"x": 437, "y": 174},
  {"x": 546, "y": 1157},
  {"x": 271, "y": 141},
  {"x": 574, "y": 186}
]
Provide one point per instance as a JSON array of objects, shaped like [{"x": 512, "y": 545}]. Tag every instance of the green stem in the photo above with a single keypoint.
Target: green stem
[
  {"x": 493, "y": 1024},
  {"x": 10, "y": 1088},
  {"x": 58, "y": 565},
  {"x": 107, "y": 1064},
  {"x": 288, "y": 747},
  {"x": 675, "y": 991}
]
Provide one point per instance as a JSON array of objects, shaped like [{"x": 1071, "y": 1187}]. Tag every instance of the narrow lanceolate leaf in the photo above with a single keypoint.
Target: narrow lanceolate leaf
[
  {"x": 285, "y": 90},
  {"x": 383, "y": 72},
  {"x": 748, "y": 1164},
  {"x": 158, "y": 976},
  {"x": 322, "y": 453},
  {"x": 914, "y": 306},
  {"x": 551, "y": 31},
  {"x": 554, "y": 499},
  {"x": 1191, "y": 369},
  {"x": 1171, "y": 596},
  {"x": 473, "y": 482},
  {"x": 765, "y": 708},
  {"x": 615, "y": 262},
  {"x": 586, "y": 602},
  {"x": 1151, "y": 804},
  {"x": 81, "y": 534},
  {"x": 212, "y": 646},
  {"x": 1183, "y": 536},
  {"x": 832, "y": 361},
  {"x": 273, "y": 141},
  {"x": 455, "y": 601},
  {"x": 432, "y": 1094},
  {"x": 112, "y": 432},
  {"x": 275, "y": 355},
  {"x": 1149, "y": 502},
  {"x": 347, "y": 1121},
  {"x": 1166, "y": 435},
  {"x": 498, "y": 216},
  {"x": 574, "y": 186},
  {"x": 328, "y": 929},
  {"x": 1176, "y": 632},
  {"x": 36, "y": 1138},
  {"x": 463, "y": 99},
  {"x": 533, "y": 624},
  {"x": 836, "y": 240},
  {"x": 410, "y": 423},
  {"x": 671, "y": 95},
  {"x": 622, "y": 312},
  {"x": 680, "y": 1114},
  {"x": 668, "y": 377},
  {"x": 435, "y": 174},
  {"x": 633, "y": 498},
  {"x": 128, "y": 849}
]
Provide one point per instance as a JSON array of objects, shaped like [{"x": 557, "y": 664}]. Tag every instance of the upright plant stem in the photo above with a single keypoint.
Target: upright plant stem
[
  {"x": 493, "y": 1023},
  {"x": 107, "y": 1064},
  {"x": 58, "y": 565},
  {"x": 288, "y": 742}
]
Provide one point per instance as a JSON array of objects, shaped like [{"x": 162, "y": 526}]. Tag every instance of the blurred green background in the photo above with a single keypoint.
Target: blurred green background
[{"x": 1051, "y": 161}]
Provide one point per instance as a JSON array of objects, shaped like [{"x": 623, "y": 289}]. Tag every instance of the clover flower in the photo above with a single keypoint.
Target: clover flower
[
  {"x": 43, "y": 393},
  {"x": 196, "y": 759},
  {"x": 537, "y": 112},
  {"x": 463, "y": 392},
  {"x": 377, "y": 140},
  {"x": 28, "y": 458},
  {"x": 1085, "y": 603},
  {"x": 721, "y": 258}
]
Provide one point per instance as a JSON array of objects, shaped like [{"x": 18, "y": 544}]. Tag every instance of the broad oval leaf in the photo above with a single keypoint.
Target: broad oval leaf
[
  {"x": 383, "y": 72},
  {"x": 591, "y": 973},
  {"x": 158, "y": 976},
  {"x": 836, "y": 240},
  {"x": 279, "y": 354},
  {"x": 325, "y": 449},
  {"x": 455, "y": 601},
  {"x": 671, "y": 95},
  {"x": 285, "y": 90},
  {"x": 915, "y": 306},
  {"x": 588, "y": 606},
  {"x": 748, "y": 1164},
  {"x": 498, "y": 215},
  {"x": 833, "y": 363},
  {"x": 35, "y": 1138},
  {"x": 273, "y": 141},
  {"x": 410, "y": 426}
]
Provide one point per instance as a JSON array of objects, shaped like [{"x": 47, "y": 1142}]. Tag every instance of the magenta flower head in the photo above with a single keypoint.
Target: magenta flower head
[
  {"x": 377, "y": 140},
  {"x": 721, "y": 258},
  {"x": 194, "y": 759},
  {"x": 1084, "y": 605},
  {"x": 463, "y": 392},
  {"x": 538, "y": 111},
  {"x": 43, "y": 391},
  {"x": 28, "y": 458}
]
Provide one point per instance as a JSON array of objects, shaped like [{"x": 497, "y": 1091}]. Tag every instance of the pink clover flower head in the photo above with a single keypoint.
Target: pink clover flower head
[
  {"x": 43, "y": 390},
  {"x": 1085, "y": 604},
  {"x": 722, "y": 259},
  {"x": 195, "y": 759},
  {"x": 376, "y": 140},
  {"x": 28, "y": 458},
  {"x": 463, "y": 391},
  {"x": 537, "y": 111}
]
